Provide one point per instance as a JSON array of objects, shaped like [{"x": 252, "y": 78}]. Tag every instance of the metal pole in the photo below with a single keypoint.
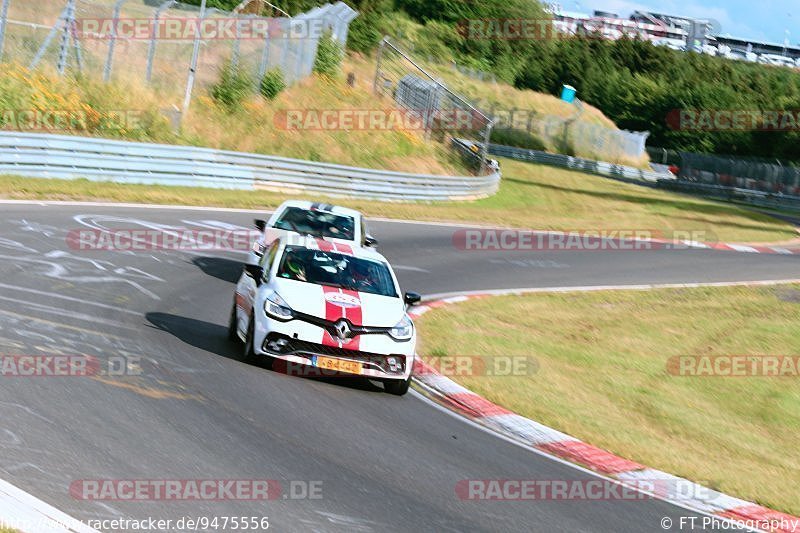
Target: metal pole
[
  {"x": 302, "y": 43},
  {"x": 63, "y": 54},
  {"x": 486, "y": 139},
  {"x": 151, "y": 51},
  {"x": 195, "y": 52},
  {"x": 112, "y": 41},
  {"x": 262, "y": 65},
  {"x": 285, "y": 48},
  {"x": 378, "y": 66},
  {"x": 3, "y": 17},
  {"x": 76, "y": 43},
  {"x": 235, "y": 54},
  {"x": 47, "y": 40}
]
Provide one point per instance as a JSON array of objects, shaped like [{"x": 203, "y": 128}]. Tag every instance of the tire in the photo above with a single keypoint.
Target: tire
[
  {"x": 397, "y": 387},
  {"x": 233, "y": 327},
  {"x": 249, "y": 356}
]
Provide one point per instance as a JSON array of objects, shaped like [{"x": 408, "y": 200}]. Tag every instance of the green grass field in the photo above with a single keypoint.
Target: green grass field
[
  {"x": 530, "y": 196},
  {"x": 602, "y": 377}
]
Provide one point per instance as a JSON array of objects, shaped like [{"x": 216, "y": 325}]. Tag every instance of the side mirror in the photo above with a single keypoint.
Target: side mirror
[
  {"x": 412, "y": 298},
  {"x": 370, "y": 241},
  {"x": 260, "y": 224},
  {"x": 255, "y": 272}
]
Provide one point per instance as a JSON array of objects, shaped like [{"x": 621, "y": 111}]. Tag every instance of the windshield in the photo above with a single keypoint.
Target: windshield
[
  {"x": 336, "y": 270},
  {"x": 317, "y": 223}
]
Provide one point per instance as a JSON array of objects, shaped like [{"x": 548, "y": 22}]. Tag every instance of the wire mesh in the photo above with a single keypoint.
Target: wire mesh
[{"x": 152, "y": 40}]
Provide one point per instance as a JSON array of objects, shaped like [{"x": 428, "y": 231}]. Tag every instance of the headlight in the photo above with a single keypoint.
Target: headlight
[
  {"x": 403, "y": 330},
  {"x": 277, "y": 308}
]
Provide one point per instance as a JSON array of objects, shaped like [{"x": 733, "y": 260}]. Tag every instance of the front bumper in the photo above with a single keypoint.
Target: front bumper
[{"x": 299, "y": 344}]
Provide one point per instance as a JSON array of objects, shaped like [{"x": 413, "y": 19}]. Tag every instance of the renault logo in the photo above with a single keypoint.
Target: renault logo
[{"x": 342, "y": 329}]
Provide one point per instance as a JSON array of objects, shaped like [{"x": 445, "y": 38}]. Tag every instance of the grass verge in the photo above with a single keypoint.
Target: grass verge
[
  {"x": 602, "y": 377},
  {"x": 530, "y": 196}
]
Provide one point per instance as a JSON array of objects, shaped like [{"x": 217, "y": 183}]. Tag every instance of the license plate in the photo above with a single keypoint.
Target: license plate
[{"x": 351, "y": 367}]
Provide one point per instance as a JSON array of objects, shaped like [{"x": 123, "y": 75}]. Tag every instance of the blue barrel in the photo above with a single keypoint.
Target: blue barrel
[{"x": 568, "y": 93}]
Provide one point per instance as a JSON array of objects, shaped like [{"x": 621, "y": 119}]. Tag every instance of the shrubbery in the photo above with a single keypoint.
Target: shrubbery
[
  {"x": 233, "y": 87},
  {"x": 329, "y": 56},
  {"x": 272, "y": 84}
]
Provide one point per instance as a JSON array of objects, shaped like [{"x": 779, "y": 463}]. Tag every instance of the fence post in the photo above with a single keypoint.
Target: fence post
[
  {"x": 76, "y": 43},
  {"x": 112, "y": 41},
  {"x": 235, "y": 53},
  {"x": 378, "y": 66},
  {"x": 285, "y": 49},
  {"x": 187, "y": 98},
  {"x": 262, "y": 64},
  {"x": 42, "y": 49},
  {"x": 3, "y": 18},
  {"x": 63, "y": 53},
  {"x": 151, "y": 51}
]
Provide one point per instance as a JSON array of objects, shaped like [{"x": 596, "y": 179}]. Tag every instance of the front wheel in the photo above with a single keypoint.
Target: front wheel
[
  {"x": 249, "y": 356},
  {"x": 397, "y": 387},
  {"x": 233, "y": 326}
]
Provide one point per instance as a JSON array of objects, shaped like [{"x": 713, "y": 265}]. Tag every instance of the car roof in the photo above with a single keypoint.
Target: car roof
[
  {"x": 321, "y": 206},
  {"x": 332, "y": 245}
]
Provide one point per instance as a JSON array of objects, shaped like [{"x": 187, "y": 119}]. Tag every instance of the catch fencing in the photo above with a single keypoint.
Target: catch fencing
[
  {"x": 766, "y": 183},
  {"x": 166, "y": 44},
  {"x": 73, "y": 157},
  {"x": 399, "y": 78},
  {"x": 572, "y": 135}
]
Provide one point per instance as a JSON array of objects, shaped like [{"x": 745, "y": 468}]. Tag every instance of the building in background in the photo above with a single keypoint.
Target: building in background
[{"x": 674, "y": 31}]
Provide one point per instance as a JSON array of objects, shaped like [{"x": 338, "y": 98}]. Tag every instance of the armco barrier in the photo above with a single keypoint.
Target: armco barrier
[
  {"x": 71, "y": 157},
  {"x": 608, "y": 170},
  {"x": 734, "y": 194},
  {"x": 662, "y": 180}
]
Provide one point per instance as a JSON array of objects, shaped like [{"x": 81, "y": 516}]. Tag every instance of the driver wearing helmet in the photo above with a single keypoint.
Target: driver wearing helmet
[
  {"x": 360, "y": 274},
  {"x": 295, "y": 268}
]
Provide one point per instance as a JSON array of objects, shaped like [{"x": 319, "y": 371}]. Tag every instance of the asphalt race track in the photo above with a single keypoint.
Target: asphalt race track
[{"x": 385, "y": 463}]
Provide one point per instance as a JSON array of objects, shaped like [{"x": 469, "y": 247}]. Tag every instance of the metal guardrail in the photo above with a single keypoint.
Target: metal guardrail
[
  {"x": 662, "y": 180},
  {"x": 71, "y": 157},
  {"x": 600, "y": 168},
  {"x": 734, "y": 194}
]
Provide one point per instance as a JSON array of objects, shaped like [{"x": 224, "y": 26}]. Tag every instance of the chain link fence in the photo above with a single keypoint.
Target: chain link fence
[
  {"x": 572, "y": 136},
  {"x": 770, "y": 177},
  {"x": 164, "y": 43},
  {"x": 441, "y": 113}
]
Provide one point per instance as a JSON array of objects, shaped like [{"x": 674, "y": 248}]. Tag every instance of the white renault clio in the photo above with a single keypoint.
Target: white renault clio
[
  {"x": 317, "y": 303},
  {"x": 324, "y": 221}
]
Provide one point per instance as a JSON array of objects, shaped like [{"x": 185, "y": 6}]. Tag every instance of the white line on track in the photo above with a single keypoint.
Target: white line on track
[{"x": 68, "y": 298}]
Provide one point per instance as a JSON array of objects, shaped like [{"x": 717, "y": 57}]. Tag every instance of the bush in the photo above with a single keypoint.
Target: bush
[
  {"x": 329, "y": 56},
  {"x": 233, "y": 87},
  {"x": 272, "y": 84}
]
